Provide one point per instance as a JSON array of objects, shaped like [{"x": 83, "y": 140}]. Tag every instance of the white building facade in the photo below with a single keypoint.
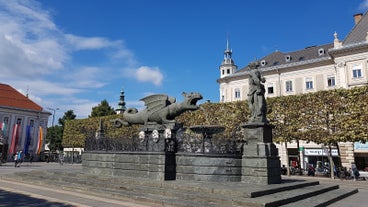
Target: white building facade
[
  {"x": 340, "y": 64},
  {"x": 23, "y": 125}
]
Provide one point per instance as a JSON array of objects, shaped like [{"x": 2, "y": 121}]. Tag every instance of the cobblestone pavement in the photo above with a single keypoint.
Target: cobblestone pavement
[{"x": 21, "y": 194}]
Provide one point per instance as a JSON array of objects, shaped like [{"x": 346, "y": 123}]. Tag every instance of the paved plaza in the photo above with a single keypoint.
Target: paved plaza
[{"x": 23, "y": 194}]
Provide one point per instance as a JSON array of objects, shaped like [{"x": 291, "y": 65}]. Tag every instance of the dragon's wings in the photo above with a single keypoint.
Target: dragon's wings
[{"x": 157, "y": 102}]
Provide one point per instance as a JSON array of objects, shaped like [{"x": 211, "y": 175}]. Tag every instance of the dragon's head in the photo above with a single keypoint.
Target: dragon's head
[{"x": 190, "y": 100}]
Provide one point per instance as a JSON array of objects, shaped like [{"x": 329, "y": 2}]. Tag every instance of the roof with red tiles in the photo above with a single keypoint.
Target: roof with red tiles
[{"x": 10, "y": 97}]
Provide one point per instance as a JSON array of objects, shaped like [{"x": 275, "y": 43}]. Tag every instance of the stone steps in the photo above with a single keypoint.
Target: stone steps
[
  {"x": 282, "y": 198},
  {"x": 191, "y": 193},
  {"x": 326, "y": 198}
]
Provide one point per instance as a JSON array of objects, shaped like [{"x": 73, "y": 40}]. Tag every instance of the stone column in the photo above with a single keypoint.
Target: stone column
[
  {"x": 162, "y": 138},
  {"x": 260, "y": 160},
  {"x": 346, "y": 154}
]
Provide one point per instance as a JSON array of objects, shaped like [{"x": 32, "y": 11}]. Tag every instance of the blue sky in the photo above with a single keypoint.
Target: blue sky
[{"x": 72, "y": 54}]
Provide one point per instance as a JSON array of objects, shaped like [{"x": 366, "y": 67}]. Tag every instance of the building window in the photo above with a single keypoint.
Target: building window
[
  {"x": 270, "y": 89},
  {"x": 222, "y": 98},
  {"x": 31, "y": 123},
  {"x": 331, "y": 81},
  {"x": 19, "y": 121},
  {"x": 237, "y": 93},
  {"x": 289, "y": 86},
  {"x": 228, "y": 71},
  {"x": 309, "y": 84},
  {"x": 357, "y": 71},
  {"x": 223, "y": 72}
]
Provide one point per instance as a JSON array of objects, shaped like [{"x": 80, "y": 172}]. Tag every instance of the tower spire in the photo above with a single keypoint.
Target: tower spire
[
  {"x": 121, "y": 105},
  {"x": 227, "y": 66},
  {"x": 227, "y": 43}
]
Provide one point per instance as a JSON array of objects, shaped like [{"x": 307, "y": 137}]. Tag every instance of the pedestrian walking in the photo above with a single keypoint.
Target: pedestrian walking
[
  {"x": 61, "y": 158},
  {"x": 19, "y": 159},
  {"x": 15, "y": 159}
]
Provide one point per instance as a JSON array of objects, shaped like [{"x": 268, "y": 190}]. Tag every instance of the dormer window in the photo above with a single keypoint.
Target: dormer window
[
  {"x": 321, "y": 51},
  {"x": 263, "y": 62},
  {"x": 287, "y": 58}
]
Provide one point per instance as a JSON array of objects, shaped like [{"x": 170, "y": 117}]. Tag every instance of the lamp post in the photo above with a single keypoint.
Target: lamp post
[
  {"x": 53, "y": 114},
  {"x": 53, "y": 120}
]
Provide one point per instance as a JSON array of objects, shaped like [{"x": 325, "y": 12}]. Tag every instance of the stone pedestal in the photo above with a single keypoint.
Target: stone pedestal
[
  {"x": 158, "y": 138},
  {"x": 161, "y": 138},
  {"x": 260, "y": 160}
]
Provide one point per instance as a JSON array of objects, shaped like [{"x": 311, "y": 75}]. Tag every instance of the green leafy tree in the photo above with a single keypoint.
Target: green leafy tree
[
  {"x": 69, "y": 115},
  {"x": 55, "y": 134},
  {"x": 285, "y": 114},
  {"x": 103, "y": 109},
  {"x": 54, "y": 137}
]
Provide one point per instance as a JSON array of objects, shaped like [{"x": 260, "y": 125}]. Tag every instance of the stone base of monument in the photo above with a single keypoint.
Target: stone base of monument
[
  {"x": 151, "y": 165},
  {"x": 207, "y": 167},
  {"x": 260, "y": 161}
]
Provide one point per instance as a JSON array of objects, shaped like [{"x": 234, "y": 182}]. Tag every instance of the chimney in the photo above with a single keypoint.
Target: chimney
[{"x": 357, "y": 17}]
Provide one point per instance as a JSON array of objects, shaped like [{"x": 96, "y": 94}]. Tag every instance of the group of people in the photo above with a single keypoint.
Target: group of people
[
  {"x": 19, "y": 158},
  {"x": 340, "y": 172}
]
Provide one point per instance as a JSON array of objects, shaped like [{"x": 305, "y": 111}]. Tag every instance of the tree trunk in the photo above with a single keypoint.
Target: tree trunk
[
  {"x": 332, "y": 164},
  {"x": 287, "y": 160}
]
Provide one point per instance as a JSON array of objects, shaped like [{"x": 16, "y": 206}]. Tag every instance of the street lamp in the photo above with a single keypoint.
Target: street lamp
[{"x": 53, "y": 114}]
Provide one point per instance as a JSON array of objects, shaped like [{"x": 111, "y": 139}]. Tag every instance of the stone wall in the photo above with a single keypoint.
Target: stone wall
[
  {"x": 208, "y": 167},
  {"x": 132, "y": 164},
  {"x": 164, "y": 166}
]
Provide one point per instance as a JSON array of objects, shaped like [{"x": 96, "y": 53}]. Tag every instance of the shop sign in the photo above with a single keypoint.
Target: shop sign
[
  {"x": 319, "y": 152},
  {"x": 360, "y": 146}
]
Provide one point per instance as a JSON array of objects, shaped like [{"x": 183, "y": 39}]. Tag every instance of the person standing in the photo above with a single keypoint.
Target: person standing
[
  {"x": 355, "y": 172},
  {"x": 19, "y": 158},
  {"x": 16, "y": 159}
]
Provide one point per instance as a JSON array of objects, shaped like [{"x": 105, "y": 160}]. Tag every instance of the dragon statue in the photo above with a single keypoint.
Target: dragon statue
[{"x": 160, "y": 109}]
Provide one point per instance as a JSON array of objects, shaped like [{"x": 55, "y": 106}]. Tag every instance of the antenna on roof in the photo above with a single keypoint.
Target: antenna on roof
[{"x": 27, "y": 91}]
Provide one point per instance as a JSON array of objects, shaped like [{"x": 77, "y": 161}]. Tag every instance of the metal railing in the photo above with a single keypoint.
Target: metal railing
[{"x": 183, "y": 142}]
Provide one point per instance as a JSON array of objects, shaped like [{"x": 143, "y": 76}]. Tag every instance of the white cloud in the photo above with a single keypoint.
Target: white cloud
[
  {"x": 364, "y": 5},
  {"x": 36, "y": 55},
  {"x": 88, "y": 77},
  {"x": 124, "y": 55},
  {"x": 83, "y": 110},
  {"x": 85, "y": 43},
  {"x": 43, "y": 88},
  {"x": 146, "y": 74},
  {"x": 29, "y": 42}
]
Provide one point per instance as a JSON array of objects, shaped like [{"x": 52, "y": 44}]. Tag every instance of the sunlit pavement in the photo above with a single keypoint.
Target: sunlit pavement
[
  {"x": 22, "y": 194},
  {"x": 54, "y": 197},
  {"x": 26, "y": 166},
  {"x": 359, "y": 199}
]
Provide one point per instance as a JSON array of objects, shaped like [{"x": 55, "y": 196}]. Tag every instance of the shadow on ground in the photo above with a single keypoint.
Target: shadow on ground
[{"x": 10, "y": 199}]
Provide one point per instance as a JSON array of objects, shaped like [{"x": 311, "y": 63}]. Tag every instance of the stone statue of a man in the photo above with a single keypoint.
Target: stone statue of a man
[{"x": 256, "y": 97}]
